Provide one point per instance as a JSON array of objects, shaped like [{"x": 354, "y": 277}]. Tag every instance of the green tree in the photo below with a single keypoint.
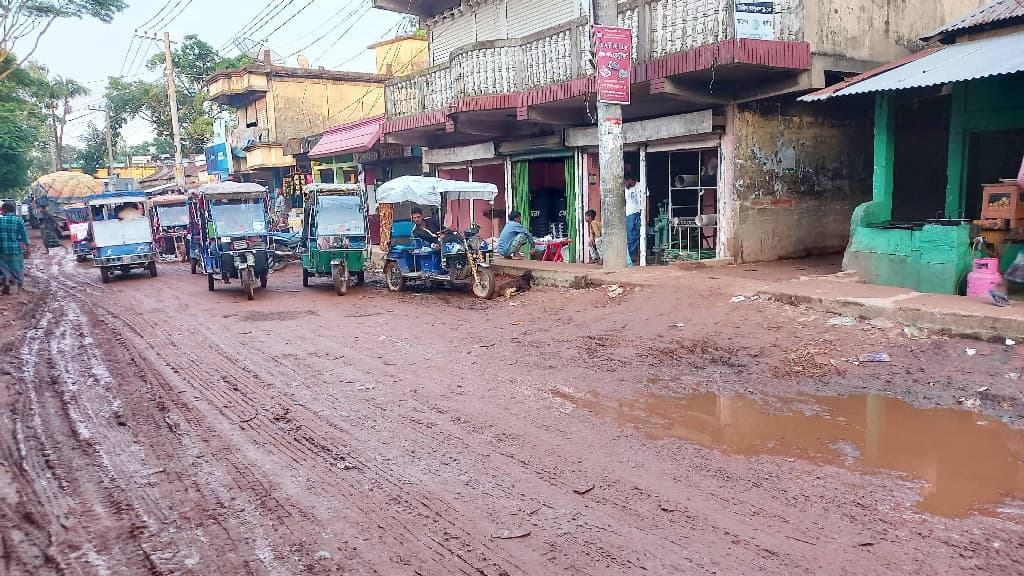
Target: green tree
[
  {"x": 193, "y": 61},
  {"x": 22, "y": 123},
  {"x": 60, "y": 93},
  {"x": 93, "y": 153},
  {"x": 26, "y": 21}
]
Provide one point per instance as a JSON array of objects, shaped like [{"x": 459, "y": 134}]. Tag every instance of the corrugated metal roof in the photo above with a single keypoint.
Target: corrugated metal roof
[
  {"x": 997, "y": 11},
  {"x": 347, "y": 138},
  {"x": 954, "y": 63}
]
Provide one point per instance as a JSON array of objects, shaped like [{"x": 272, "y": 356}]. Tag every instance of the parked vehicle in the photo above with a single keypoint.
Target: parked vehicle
[
  {"x": 77, "y": 217},
  {"x": 462, "y": 258},
  {"x": 287, "y": 247},
  {"x": 334, "y": 235},
  {"x": 229, "y": 234},
  {"x": 121, "y": 237},
  {"x": 169, "y": 218}
]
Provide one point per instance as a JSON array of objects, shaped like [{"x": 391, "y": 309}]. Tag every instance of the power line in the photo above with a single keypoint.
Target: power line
[
  {"x": 159, "y": 22},
  {"x": 245, "y": 27},
  {"x": 270, "y": 18},
  {"x": 324, "y": 35},
  {"x": 386, "y": 33},
  {"x": 341, "y": 35},
  {"x": 154, "y": 16},
  {"x": 289, "y": 19},
  {"x": 167, "y": 22},
  {"x": 326, "y": 23}
]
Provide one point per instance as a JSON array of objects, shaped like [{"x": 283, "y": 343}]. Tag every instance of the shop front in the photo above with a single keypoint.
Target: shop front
[
  {"x": 676, "y": 160},
  {"x": 949, "y": 126}
]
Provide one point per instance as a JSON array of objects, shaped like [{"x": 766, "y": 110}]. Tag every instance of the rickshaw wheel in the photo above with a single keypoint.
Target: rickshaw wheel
[
  {"x": 340, "y": 276},
  {"x": 152, "y": 269},
  {"x": 210, "y": 282},
  {"x": 263, "y": 280},
  {"x": 305, "y": 278},
  {"x": 393, "y": 277},
  {"x": 105, "y": 274},
  {"x": 193, "y": 264},
  {"x": 248, "y": 283},
  {"x": 360, "y": 279},
  {"x": 484, "y": 285}
]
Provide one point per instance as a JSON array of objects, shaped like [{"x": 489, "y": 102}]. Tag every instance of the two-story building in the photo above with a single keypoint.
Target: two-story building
[
  {"x": 276, "y": 104},
  {"x": 713, "y": 131}
]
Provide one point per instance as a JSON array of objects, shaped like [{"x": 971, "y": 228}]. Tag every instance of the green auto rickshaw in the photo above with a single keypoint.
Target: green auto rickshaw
[{"x": 334, "y": 235}]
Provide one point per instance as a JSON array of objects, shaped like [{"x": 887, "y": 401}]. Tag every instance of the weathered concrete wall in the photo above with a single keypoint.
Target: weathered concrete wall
[
  {"x": 402, "y": 56},
  {"x": 797, "y": 173},
  {"x": 303, "y": 107},
  {"x": 877, "y": 30}
]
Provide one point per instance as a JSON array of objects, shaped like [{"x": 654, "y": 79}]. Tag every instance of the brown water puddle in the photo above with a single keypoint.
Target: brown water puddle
[{"x": 970, "y": 462}]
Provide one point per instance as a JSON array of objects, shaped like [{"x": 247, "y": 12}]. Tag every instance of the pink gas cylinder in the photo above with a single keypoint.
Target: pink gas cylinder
[{"x": 984, "y": 277}]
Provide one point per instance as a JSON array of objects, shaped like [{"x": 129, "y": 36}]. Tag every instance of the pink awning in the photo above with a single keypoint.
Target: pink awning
[{"x": 348, "y": 138}]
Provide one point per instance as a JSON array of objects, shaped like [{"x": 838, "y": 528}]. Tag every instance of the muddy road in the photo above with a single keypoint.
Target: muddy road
[{"x": 149, "y": 426}]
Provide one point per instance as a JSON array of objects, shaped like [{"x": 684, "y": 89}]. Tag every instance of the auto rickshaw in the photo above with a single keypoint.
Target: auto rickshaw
[
  {"x": 77, "y": 217},
  {"x": 121, "y": 237},
  {"x": 334, "y": 235},
  {"x": 229, "y": 234},
  {"x": 168, "y": 214},
  {"x": 462, "y": 257}
]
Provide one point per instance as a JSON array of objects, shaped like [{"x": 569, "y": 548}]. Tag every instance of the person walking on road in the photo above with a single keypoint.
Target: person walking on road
[
  {"x": 636, "y": 196},
  {"x": 50, "y": 230},
  {"x": 13, "y": 247}
]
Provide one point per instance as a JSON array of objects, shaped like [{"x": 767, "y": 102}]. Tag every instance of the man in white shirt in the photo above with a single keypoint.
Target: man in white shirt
[{"x": 636, "y": 196}]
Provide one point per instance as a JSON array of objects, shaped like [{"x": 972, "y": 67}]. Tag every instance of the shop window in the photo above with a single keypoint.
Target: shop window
[{"x": 921, "y": 149}]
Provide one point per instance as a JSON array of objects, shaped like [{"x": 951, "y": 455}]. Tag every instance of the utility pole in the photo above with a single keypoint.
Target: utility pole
[
  {"x": 172, "y": 99},
  {"x": 609, "y": 130},
  {"x": 110, "y": 147}
]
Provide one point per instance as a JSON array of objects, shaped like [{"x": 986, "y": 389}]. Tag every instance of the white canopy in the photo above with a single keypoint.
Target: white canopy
[
  {"x": 432, "y": 191},
  {"x": 320, "y": 187},
  {"x": 231, "y": 188}
]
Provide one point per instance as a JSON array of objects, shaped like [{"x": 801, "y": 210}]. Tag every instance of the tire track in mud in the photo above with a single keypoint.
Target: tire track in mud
[
  {"x": 84, "y": 469},
  {"x": 602, "y": 555}
]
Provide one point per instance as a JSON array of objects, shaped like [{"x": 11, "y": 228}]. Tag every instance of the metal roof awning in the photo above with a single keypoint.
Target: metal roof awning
[
  {"x": 348, "y": 138},
  {"x": 955, "y": 63}
]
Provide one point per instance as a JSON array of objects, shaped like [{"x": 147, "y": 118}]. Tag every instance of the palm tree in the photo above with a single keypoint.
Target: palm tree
[{"x": 60, "y": 93}]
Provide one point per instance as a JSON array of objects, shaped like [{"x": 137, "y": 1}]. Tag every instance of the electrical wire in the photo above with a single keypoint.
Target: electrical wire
[
  {"x": 259, "y": 20},
  {"x": 158, "y": 23},
  {"x": 246, "y": 26},
  {"x": 344, "y": 33},
  {"x": 306, "y": 34},
  {"x": 167, "y": 22},
  {"x": 348, "y": 15},
  {"x": 289, "y": 20},
  {"x": 154, "y": 16},
  {"x": 382, "y": 37}
]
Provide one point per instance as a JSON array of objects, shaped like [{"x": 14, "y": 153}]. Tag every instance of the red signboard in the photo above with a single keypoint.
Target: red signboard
[{"x": 613, "y": 47}]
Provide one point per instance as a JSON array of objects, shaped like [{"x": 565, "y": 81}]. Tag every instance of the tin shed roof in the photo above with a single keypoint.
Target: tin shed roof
[
  {"x": 989, "y": 14},
  {"x": 954, "y": 63}
]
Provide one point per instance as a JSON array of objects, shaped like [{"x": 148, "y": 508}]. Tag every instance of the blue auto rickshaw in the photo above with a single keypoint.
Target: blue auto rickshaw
[
  {"x": 121, "y": 236},
  {"x": 230, "y": 236},
  {"x": 462, "y": 257}
]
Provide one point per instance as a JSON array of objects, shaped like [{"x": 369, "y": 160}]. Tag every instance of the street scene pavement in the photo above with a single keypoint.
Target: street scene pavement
[{"x": 154, "y": 427}]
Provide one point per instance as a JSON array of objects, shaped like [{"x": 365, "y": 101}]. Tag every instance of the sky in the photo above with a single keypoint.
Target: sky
[{"x": 89, "y": 51}]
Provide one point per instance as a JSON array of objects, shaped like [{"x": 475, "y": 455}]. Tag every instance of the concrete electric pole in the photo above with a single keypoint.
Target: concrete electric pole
[
  {"x": 609, "y": 129},
  {"x": 110, "y": 147},
  {"x": 172, "y": 99}
]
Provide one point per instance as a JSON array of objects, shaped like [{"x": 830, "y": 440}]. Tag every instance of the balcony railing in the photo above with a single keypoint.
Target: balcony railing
[
  {"x": 245, "y": 137},
  {"x": 563, "y": 52}
]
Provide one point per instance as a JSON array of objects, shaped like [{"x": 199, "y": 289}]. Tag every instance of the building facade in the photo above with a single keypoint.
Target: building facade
[
  {"x": 948, "y": 144},
  {"x": 734, "y": 166}
]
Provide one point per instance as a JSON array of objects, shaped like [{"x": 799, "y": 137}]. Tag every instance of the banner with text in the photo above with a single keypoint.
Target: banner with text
[
  {"x": 613, "y": 47},
  {"x": 755, "y": 20}
]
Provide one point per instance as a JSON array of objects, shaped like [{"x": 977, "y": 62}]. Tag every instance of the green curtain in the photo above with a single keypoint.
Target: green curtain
[
  {"x": 570, "y": 207},
  {"x": 521, "y": 192}
]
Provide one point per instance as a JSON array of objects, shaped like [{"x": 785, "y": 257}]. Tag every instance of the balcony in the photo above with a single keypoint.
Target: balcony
[
  {"x": 244, "y": 138},
  {"x": 562, "y": 53}
]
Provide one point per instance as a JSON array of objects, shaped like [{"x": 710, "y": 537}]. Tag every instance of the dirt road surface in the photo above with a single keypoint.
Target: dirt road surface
[{"x": 149, "y": 426}]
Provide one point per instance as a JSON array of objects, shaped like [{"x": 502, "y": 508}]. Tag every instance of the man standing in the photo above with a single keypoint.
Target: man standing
[
  {"x": 636, "y": 196},
  {"x": 596, "y": 241},
  {"x": 13, "y": 246}
]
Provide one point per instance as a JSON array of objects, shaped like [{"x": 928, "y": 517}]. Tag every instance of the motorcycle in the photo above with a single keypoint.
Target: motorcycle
[{"x": 285, "y": 248}]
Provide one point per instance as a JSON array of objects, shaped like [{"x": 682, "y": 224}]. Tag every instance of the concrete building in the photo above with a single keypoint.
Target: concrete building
[
  {"x": 948, "y": 134},
  {"x": 713, "y": 131},
  {"x": 276, "y": 103}
]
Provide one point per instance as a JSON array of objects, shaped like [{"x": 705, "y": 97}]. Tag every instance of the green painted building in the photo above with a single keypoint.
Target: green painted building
[{"x": 947, "y": 120}]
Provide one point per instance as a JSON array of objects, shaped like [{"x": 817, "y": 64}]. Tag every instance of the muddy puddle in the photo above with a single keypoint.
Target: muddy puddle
[{"x": 967, "y": 462}]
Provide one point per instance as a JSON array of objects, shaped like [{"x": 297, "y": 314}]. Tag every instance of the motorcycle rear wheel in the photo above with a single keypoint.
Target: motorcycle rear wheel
[
  {"x": 248, "y": 283},
  {"x": 393, "y": 277},
  {"x": 484, "y": 285},
  {"x": 339, "y": 274}
]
